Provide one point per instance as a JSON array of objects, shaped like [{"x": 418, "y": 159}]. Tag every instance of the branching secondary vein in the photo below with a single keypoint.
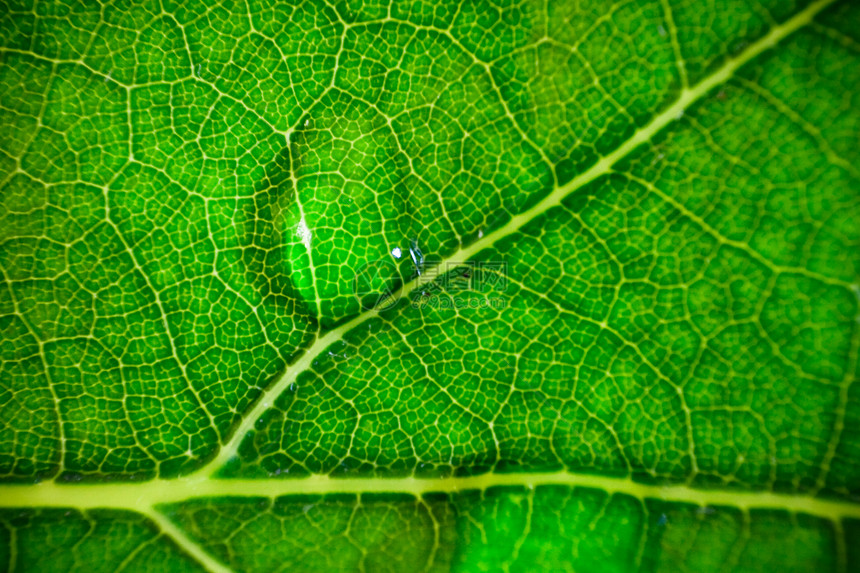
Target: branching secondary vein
[{"x": 687, "y": 98}]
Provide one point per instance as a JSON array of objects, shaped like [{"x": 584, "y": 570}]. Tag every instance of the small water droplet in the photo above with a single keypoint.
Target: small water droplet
[{"x": 417, "y": 256}]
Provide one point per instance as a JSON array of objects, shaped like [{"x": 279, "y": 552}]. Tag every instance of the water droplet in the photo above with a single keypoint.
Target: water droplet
[{"x": 417, "y": 256}]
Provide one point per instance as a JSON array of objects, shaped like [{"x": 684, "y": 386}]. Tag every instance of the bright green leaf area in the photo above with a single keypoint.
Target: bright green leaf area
[{"x": 623, "y": 244}]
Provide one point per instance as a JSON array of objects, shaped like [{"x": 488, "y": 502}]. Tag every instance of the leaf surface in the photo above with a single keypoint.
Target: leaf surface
[{"x": 615, "y": 247}]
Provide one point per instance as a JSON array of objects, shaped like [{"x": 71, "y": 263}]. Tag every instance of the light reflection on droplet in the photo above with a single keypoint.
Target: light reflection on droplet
[{"x": 304, "y": 233}]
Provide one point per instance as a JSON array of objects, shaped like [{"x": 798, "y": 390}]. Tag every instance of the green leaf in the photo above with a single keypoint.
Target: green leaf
[{"x": 430, "y": 287}]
